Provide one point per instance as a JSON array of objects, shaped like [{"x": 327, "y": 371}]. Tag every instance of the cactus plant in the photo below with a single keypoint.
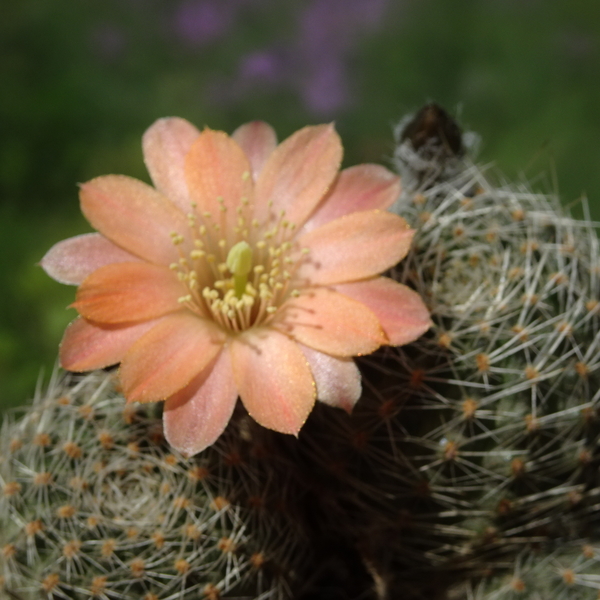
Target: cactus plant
[
  {"x": 569, "y": 572},
  {"x": 95, "y": 505},
  {"x": 480, "y": 439},
  {"x": 467, "y": 471}
]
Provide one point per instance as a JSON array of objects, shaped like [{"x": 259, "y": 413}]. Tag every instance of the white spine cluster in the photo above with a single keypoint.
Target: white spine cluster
[{"x": 93, "y": 504}]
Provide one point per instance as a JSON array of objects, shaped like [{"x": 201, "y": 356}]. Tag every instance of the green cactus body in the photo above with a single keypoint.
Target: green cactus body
[
  {"x": 569, "y": 572},
  {"x": 94, "y": 505},
  {"x": 478, "y": 442}
]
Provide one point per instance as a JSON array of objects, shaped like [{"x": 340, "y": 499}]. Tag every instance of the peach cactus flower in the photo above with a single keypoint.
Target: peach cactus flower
[{"x": 250, "y": 269}]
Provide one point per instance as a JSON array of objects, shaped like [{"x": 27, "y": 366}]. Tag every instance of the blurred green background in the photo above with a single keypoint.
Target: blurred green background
[{"x": 81, "y": 80}]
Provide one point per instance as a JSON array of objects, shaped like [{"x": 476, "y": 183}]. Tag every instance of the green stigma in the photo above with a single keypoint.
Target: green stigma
[{"x": 239, "y": 263}]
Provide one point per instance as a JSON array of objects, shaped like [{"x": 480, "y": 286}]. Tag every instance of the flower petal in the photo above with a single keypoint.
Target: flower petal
[
  {"x": 197, "y": 415},
  {"x": 337, "y": 379},
  {"x": 134, "y": 216},
  {"x": 298, "y": 173},
  {"x": 273, "y": 379},
  {"x": 123, "y": 292},
  {"x": 359, "y": 188},
  {"x": 354, "y": 247},
  {"x": 258, "y": 140},
  {"x": 165, "y": 146},
  {"x": 401, "y": 311},
  {"x": 217, "y": 168},
  {"x": 330, "y": 322},
  {"x": 86, "y": 346},
  {"x": 169, "y": 356},
  {"x": 73, "y": 259}
]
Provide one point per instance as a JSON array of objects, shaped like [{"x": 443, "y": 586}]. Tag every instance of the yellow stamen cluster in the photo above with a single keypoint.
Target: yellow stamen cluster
[{"x": 238, "y": 278}]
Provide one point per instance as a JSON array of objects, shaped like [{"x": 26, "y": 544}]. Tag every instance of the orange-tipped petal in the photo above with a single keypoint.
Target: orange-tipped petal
[
  {"x": 273, "y": 379},
  {"x": 401, "y": 311},
  {"x": 73, "y": 259},
  {"x": 86, "y": 346},
  {"x": 134, "y": 216},
  {"x": 165, "y": 146},
  {"x": 354, "y": 247},
  {"x": 330, "y": 322},
  {"x": 124, "y": 292},
  {"x": 216, "y": 169},
  {"x": 359, "y": 188},
  {"x": 337, "y": 379},
  {"x": 168, "y": 357},
  {"x": 197, "y": 415},
  {"x": 258, "y": 140},
  {"x": 298, "y": 173}
]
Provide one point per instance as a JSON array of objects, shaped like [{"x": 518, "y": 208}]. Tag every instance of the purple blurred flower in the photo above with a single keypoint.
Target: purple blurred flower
[
  {"x": 202, "y": 21},
  {"x": 328, "y": 32},
  {"x": 267, "y": 68},
  {"x": 325, "y": 89},
  {"x": 261, "y": 66},
  {"x": 108, "y": 41},
  {"x": 314, "y": 63},
  {"x": 332, "y": 25}
]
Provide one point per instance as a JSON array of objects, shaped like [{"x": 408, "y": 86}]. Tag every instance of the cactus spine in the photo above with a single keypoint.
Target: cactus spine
[{"x": 93, "y": 504}]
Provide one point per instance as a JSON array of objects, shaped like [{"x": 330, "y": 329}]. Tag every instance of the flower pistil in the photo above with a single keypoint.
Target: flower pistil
[{"x": 238, "y": 283}]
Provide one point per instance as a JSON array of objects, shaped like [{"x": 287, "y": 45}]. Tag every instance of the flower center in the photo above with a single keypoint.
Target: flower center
[{"x": 237, "y": 275}]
